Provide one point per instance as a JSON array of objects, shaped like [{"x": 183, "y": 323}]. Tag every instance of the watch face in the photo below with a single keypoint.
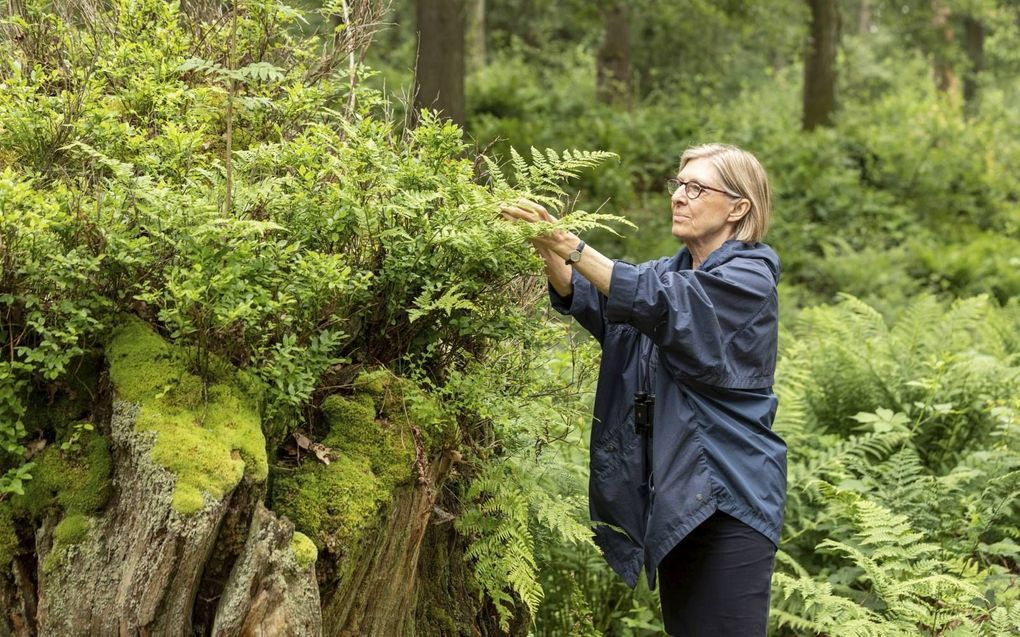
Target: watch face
[{"x": 575, "y": 256}]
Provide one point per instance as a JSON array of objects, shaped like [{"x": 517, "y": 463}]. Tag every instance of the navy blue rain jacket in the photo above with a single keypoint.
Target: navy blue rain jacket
[{"x": 704, "y": 342}]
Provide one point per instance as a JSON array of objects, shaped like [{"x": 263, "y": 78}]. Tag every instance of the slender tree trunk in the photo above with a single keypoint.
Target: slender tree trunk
[
  {"x": 439, "y": 75},
  {"x": 476, "y": 49},
  {"x": 820, "y": 65},
  {"x": 865, "y": 18},
  {"x": 945, "y": 76},
  {"x": 974, "y": 39},
  {"x": 613, "y": 63}
]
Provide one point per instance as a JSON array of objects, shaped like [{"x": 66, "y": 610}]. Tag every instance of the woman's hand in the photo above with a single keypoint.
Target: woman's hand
[
  {"x": 554, "y": 247},
  {"x": 531, "y": 212}
]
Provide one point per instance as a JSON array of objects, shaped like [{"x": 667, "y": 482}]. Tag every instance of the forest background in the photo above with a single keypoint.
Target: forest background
[{"x": 259, "y": 185}]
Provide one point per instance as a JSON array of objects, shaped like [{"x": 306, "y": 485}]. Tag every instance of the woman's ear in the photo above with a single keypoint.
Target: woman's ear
[{"x": 741, "y": 208}]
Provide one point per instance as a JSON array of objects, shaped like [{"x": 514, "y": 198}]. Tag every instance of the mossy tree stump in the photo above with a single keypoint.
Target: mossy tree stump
[{"x": 159, "y": 524}]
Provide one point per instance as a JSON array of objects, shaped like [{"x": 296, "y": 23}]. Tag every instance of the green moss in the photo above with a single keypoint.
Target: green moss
[
  {"x": 354, "y": 432},
  {"x": 77, "y": 485},
  {"x": 71, "y": 530},
  {"x": 358, "y": 411},
  {"x": 208, "y": 445},
  {"x": 373, "y": 382},
  {"x": 331, "y": 503},
  {"x": 52, "y": 560},
  {"x": 8, "y": 538},
  {"x": 68, "y": 532},
  {"x": 399, "y": 402},
  {"x": 304, "y": 549},
  {"x": 374, "y": 453}
]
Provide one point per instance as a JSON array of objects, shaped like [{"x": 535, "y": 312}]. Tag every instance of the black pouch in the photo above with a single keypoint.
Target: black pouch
[{"x": 644, "y": 409}]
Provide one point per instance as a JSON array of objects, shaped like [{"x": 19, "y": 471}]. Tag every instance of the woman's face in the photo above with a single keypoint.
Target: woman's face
[{"x": 705, "y": 218}]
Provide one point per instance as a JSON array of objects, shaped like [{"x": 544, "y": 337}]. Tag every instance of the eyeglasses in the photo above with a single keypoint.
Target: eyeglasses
[{"x": 693, "y": 188}]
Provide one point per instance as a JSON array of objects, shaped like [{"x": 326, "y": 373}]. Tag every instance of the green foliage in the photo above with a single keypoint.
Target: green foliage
[
  {"x": 901, "y": 471},
  {"x": 902, "y": 195},
  {"x": 349, "y": 243},
  {"x": 506, "y": 506},
  {"x": 518, "y": 506}
]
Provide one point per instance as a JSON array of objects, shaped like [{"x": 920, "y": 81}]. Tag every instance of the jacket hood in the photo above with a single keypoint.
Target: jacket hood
[{"x": 728, "y": 251}]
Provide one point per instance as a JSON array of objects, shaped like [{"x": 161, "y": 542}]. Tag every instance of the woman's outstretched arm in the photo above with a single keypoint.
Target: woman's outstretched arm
[{"x": 556, "y": 246}]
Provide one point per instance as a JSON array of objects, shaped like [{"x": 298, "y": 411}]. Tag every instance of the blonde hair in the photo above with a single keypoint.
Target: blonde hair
[{"x": 742, "y": 174}]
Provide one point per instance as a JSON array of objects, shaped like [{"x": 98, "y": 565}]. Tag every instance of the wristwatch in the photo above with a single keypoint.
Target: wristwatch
[{"x": 575, "y": 256}]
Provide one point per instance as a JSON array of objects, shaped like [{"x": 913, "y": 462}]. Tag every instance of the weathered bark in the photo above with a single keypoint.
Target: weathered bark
[
  {"x": 137, "y": 569},
  {"x": 613, "y": 61},
  {"x": 974, "y": 41},
  {"x": 268, "y": 593},
  {"x": 141, "y": 565},
  {"x": 439, "y": 73},
  {"x": 234, "y": 536},
  {"x": 377, "y": 599},
  {"x": 820, "y": 65}
]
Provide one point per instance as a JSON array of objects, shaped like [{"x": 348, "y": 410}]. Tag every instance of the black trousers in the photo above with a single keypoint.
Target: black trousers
[{"x": 716, "y": 582}]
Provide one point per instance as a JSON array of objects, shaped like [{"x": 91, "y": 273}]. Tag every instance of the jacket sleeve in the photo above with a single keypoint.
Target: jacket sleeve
[
  {"x": 585, "y": 303},
  {"x": 690, "y": 314}
]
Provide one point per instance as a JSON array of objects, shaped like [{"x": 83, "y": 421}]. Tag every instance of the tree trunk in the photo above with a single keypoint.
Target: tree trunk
[
  {"x": 942, "y": 67},
  {"x": 865, "y": 18},
  {"x": 439, "y": 73},
  {"x": 820, "y": 65},
  {"x": 974, "y": 39},
  {"x": 613, "y": 62},
  {"x": 476, "y": 46}
]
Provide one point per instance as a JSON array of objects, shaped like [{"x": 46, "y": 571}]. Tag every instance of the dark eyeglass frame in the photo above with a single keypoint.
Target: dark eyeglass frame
[{"x": 673, "y": 184}]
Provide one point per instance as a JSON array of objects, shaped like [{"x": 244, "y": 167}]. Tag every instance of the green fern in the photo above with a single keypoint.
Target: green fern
[{"x": 508, "y": 501}]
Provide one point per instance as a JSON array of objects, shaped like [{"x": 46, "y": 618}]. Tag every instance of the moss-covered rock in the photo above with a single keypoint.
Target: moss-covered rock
[
  {"x": 208, "y": 440},
  {"x": 304, "y": 549}
]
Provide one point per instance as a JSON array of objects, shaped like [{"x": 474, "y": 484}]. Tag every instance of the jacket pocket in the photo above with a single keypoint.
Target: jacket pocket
[{"x": 614, "y": 442}]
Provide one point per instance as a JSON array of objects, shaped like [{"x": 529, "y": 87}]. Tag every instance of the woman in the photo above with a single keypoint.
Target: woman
[{"x": 687, "y": 477}]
